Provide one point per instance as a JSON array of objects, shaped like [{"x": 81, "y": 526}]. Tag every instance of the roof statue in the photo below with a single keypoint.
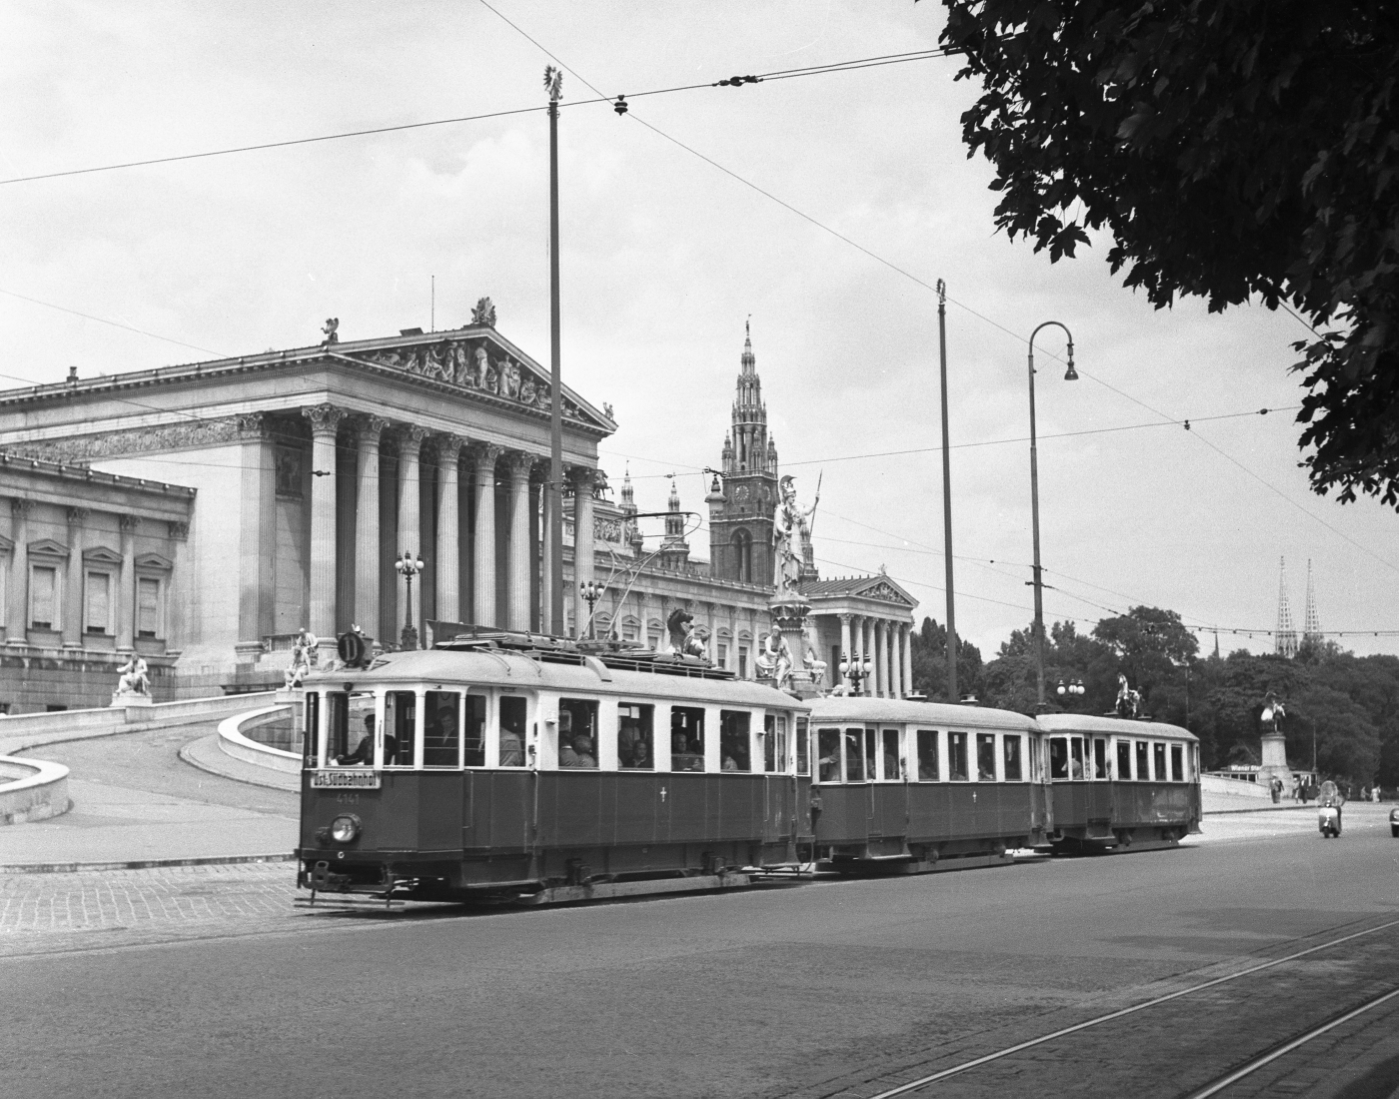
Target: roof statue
[
  {"x": 790, "y": 532},
  {"x": 483, "y": 313},
  {"x": 331, "y": 328}
]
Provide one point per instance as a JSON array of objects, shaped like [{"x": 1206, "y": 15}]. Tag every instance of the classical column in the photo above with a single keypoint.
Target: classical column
[
  {"x": 867, "y": 650},
  {"x": 845, "y": 653},
  {"x": 126, "y": 585},
  {"x": 320, "y": 617},
  {"x": 368, "y": 429},
  {"x": 891, "y": 663},
  {"x": 881, "y": 673},
  {"x": 448, "y": 548},
  {"x": 73, "y": 595},
  {"x": 410, "y": 523},
  {"x": 17, "y": 605},
  {"x": 907, "y": 632},
  {"x": 483, "y": 578},
  {"x": 896, "y": 664},
  {"x": 582, "y": 478},
  {"x": 518, "y": 466}
]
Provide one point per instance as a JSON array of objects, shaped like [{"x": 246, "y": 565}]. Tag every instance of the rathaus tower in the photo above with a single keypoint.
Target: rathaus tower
[{"x": 741, "y": 508}]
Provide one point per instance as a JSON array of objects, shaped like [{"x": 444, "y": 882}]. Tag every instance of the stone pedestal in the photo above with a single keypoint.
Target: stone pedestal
[
  {"x": 1274, "y": 760},
  {"x": 128, "y": 699},
  {"x": 789, "y": 611}
]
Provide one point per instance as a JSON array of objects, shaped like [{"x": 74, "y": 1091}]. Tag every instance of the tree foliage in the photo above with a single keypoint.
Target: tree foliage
[{"x": 1232, "y": 148}]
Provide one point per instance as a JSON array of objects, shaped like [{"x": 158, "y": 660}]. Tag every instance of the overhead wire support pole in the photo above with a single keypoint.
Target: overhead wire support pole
[
  {"x": 952, "y": 693},
  {"x": 553, "y": 84}
]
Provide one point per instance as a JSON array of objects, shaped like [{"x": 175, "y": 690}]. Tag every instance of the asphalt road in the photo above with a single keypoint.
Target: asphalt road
[{"x": 825, "y": 989}]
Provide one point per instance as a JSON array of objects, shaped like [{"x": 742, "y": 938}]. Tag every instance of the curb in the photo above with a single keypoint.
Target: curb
[
  {"x": 139, "y": 864},
  {"x": 188, "y": 757},
  {"x": 1263, "y": 809}
]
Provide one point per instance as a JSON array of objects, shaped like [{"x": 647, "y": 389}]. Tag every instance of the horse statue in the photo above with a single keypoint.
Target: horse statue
[{"x": 683, "y": 642}]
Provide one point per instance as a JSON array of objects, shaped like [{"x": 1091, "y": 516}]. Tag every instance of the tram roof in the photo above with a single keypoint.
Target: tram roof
[
  {"x": 1121, "y": 726},
  {"x": 945, "y": 714},
  {"x": 490, "y": 667}
]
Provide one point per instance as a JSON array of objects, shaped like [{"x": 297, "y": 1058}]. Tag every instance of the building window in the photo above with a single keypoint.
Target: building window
[
  {"x": 743, "y": 556},
  {"x": 743, "y": 662},
  {"x": 97, "y": 610},
  {"x": 723, "y": 655},
  {"x": 148, "y": 607},
  {"x": 43, "y": 597}
]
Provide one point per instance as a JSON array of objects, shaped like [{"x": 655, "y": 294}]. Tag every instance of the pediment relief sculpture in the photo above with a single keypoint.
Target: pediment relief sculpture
[{"x": 886, "y": 591}]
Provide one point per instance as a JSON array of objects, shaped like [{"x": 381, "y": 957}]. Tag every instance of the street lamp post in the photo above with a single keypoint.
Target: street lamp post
[
  {"x": 1072, "y": 688},
  {"x": 409, "y": 565},
  {"x": 591, "y": 591},
  {"x": 1070, "y": 376},
  {"x": 857, "y": 671},
  {"x": 553, "y": 509}
]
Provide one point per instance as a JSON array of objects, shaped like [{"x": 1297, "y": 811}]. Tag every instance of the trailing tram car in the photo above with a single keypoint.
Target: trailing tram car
[
  {"x": 518, "y": 767},
  {"x": 1120, "y": 783},
  {"x": 911, "y": 787}
]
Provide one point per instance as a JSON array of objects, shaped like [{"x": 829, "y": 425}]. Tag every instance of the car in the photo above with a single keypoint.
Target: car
[{"x": 1394, "y": 823}]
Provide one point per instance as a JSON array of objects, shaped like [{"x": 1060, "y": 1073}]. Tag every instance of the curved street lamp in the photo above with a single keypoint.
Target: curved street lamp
[
  {"x": 1071, "y": 375},
  {"x": 408, "y": 566}
]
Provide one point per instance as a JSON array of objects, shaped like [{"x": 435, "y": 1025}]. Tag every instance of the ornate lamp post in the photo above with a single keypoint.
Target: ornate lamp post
[
  {"x": 591, "y": 591},
  {"x": 1073, "y": 687},
  {"x": 1070, "y": 376},
  {"x": 409, "y": 565},
  {"x": 857, "y": 671}
]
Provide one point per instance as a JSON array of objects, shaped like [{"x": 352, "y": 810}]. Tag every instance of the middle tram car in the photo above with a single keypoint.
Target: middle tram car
[
  {"x": 526, "y": 769},
  {"x": 909, "y": 787}
]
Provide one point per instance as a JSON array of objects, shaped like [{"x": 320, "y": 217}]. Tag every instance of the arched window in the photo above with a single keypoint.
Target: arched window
[{"x": 743, "y": 555}]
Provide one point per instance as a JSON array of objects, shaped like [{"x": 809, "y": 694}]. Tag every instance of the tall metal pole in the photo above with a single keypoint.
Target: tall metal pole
[
  {"x": 1071, "y": 376},
  {"x": 952, "y": 693},
  {"x": 553, "y": 82}
]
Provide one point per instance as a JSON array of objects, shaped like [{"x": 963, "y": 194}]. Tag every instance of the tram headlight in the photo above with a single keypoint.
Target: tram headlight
[{"x": 345, "y": 828}]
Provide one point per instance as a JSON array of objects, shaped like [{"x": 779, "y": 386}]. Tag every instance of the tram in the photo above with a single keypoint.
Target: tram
[
  {"x": 524, "y": 768},
  {"x": 1120, "y": 783},
  {"x": 911, "y": 787}
]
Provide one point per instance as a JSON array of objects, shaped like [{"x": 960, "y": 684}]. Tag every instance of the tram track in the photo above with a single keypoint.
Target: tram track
[{"x": 928, "y": 1083}]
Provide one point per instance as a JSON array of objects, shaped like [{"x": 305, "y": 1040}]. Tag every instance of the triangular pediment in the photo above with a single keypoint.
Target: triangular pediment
[
  {"x": 6, "y": 544},
  {"x": 481, "y": 365},
  {"x": 153, "y": 561},
  {"x": 102, "y": 555},
  {"x": 47, "y": 547},
  {"x": 879, "y": 587}
]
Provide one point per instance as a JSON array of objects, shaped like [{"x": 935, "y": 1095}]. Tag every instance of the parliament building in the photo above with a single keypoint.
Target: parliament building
[{"x": 201, "y": 515}]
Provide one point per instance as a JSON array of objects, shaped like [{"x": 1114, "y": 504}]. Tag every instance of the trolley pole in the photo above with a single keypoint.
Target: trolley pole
[
  {"x": 553, "y": 83},
  {"x": 952, "y": 693}
]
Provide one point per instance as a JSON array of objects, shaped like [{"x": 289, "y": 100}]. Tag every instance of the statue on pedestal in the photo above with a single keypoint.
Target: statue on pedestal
[
  {"x": 134, "y": 684},
  {"x": 790, "y": 531},
  {"x": 774, "y": 659},
  {"x": 815, "y": 667},
  {"x": 303, "y": 656}
]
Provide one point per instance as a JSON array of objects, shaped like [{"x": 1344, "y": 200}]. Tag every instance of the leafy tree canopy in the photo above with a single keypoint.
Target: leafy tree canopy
[{"x": 1232, "y": 148}]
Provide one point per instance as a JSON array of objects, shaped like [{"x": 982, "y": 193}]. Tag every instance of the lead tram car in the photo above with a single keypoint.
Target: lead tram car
[
  {"x": 522, "y": 768},
  {"x": 1121, "y": 783}
]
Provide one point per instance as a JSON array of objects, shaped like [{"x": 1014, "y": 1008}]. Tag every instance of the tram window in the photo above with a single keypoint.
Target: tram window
[
  {"x": 578, "y": 733},
  {"x": 957, "y": 757},
  {"x": 1076, "y": 757},
  {"x": 338, "y": 727},
  {"x": 871, "y": 750},
  {"x": 1177, "y": 764},
  {"x": 927, "y": 755},
  {"x": 1143, "y": 763},
  {"x": 308, "y": 736},
  {"x": 775, "y": 742},
  {"x": 828, "y": 754},
  {"x": 1158, "y": 754},
  {"x": 1100, "y": 758},
  {"x": 893, "y": 766},
  {"x": 734, "y": 742},
  {"x": 635, "y": 748},
  {"x": 442, "y": 732},
  {"x": 400, "y": 727},
  {"x": 854, "y": 755},
  {"x": 985, "y": 757},
  {"x": 1058, "y": 757},
  {"x": 512, "y": 726},
  {"x": 1013, "y": 770},
  {"x": 1124, "y": 760},
  {"x": 803, "y": 747},
  {"x": 686, "y": 738},
  {"x": 474, "y": 732}
]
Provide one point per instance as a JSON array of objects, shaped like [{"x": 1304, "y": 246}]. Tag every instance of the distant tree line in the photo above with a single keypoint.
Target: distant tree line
[{"x": 1349, "y": 704}]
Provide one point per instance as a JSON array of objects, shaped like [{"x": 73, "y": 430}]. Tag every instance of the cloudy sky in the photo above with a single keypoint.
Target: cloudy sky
[{"x": 680, "y": 220}]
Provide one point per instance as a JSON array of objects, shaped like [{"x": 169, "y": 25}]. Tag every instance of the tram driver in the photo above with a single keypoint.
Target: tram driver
[{"x": 363, "y": 755}]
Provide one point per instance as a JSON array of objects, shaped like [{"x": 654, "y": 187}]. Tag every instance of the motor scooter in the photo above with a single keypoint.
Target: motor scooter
[{"x": 1328, "y": 819}]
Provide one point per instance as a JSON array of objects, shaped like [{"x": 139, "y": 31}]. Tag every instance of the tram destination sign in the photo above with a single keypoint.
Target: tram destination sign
[{"x": 341, "y": 780}]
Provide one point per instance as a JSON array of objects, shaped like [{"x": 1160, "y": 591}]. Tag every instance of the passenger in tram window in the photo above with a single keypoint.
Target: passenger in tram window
[
  {"x": 734, "y": 740},
  {"x": 583, "y": 753},
  {"x": 828, "y": 754},
  {"x": 1100, "y": 758},
  {"x": 957, "y": 757},
  {"x": 634, "y": 736},
  {"x": 985, "y": 757},
  {"x": 400, "y": 728},
  {"x": 687, "y": 738},
  {"x": 893, "y": 769},
  {"x": 1124, "y": 760},
  {"x": 512, "y": 729},
  {"x": 854, "y": 760},
  {"x": 927, "y": 755},
  {"x": 640, "y": 757},
  {"x": 1058, "y": 757},
  {"x": 441, "y": 735},
  {"x": 1011, "y": 749},
  {"x": 363, "y": 755},
  {"x": 803, "y": 747},
  {"x": 1076, "y": 757}
]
